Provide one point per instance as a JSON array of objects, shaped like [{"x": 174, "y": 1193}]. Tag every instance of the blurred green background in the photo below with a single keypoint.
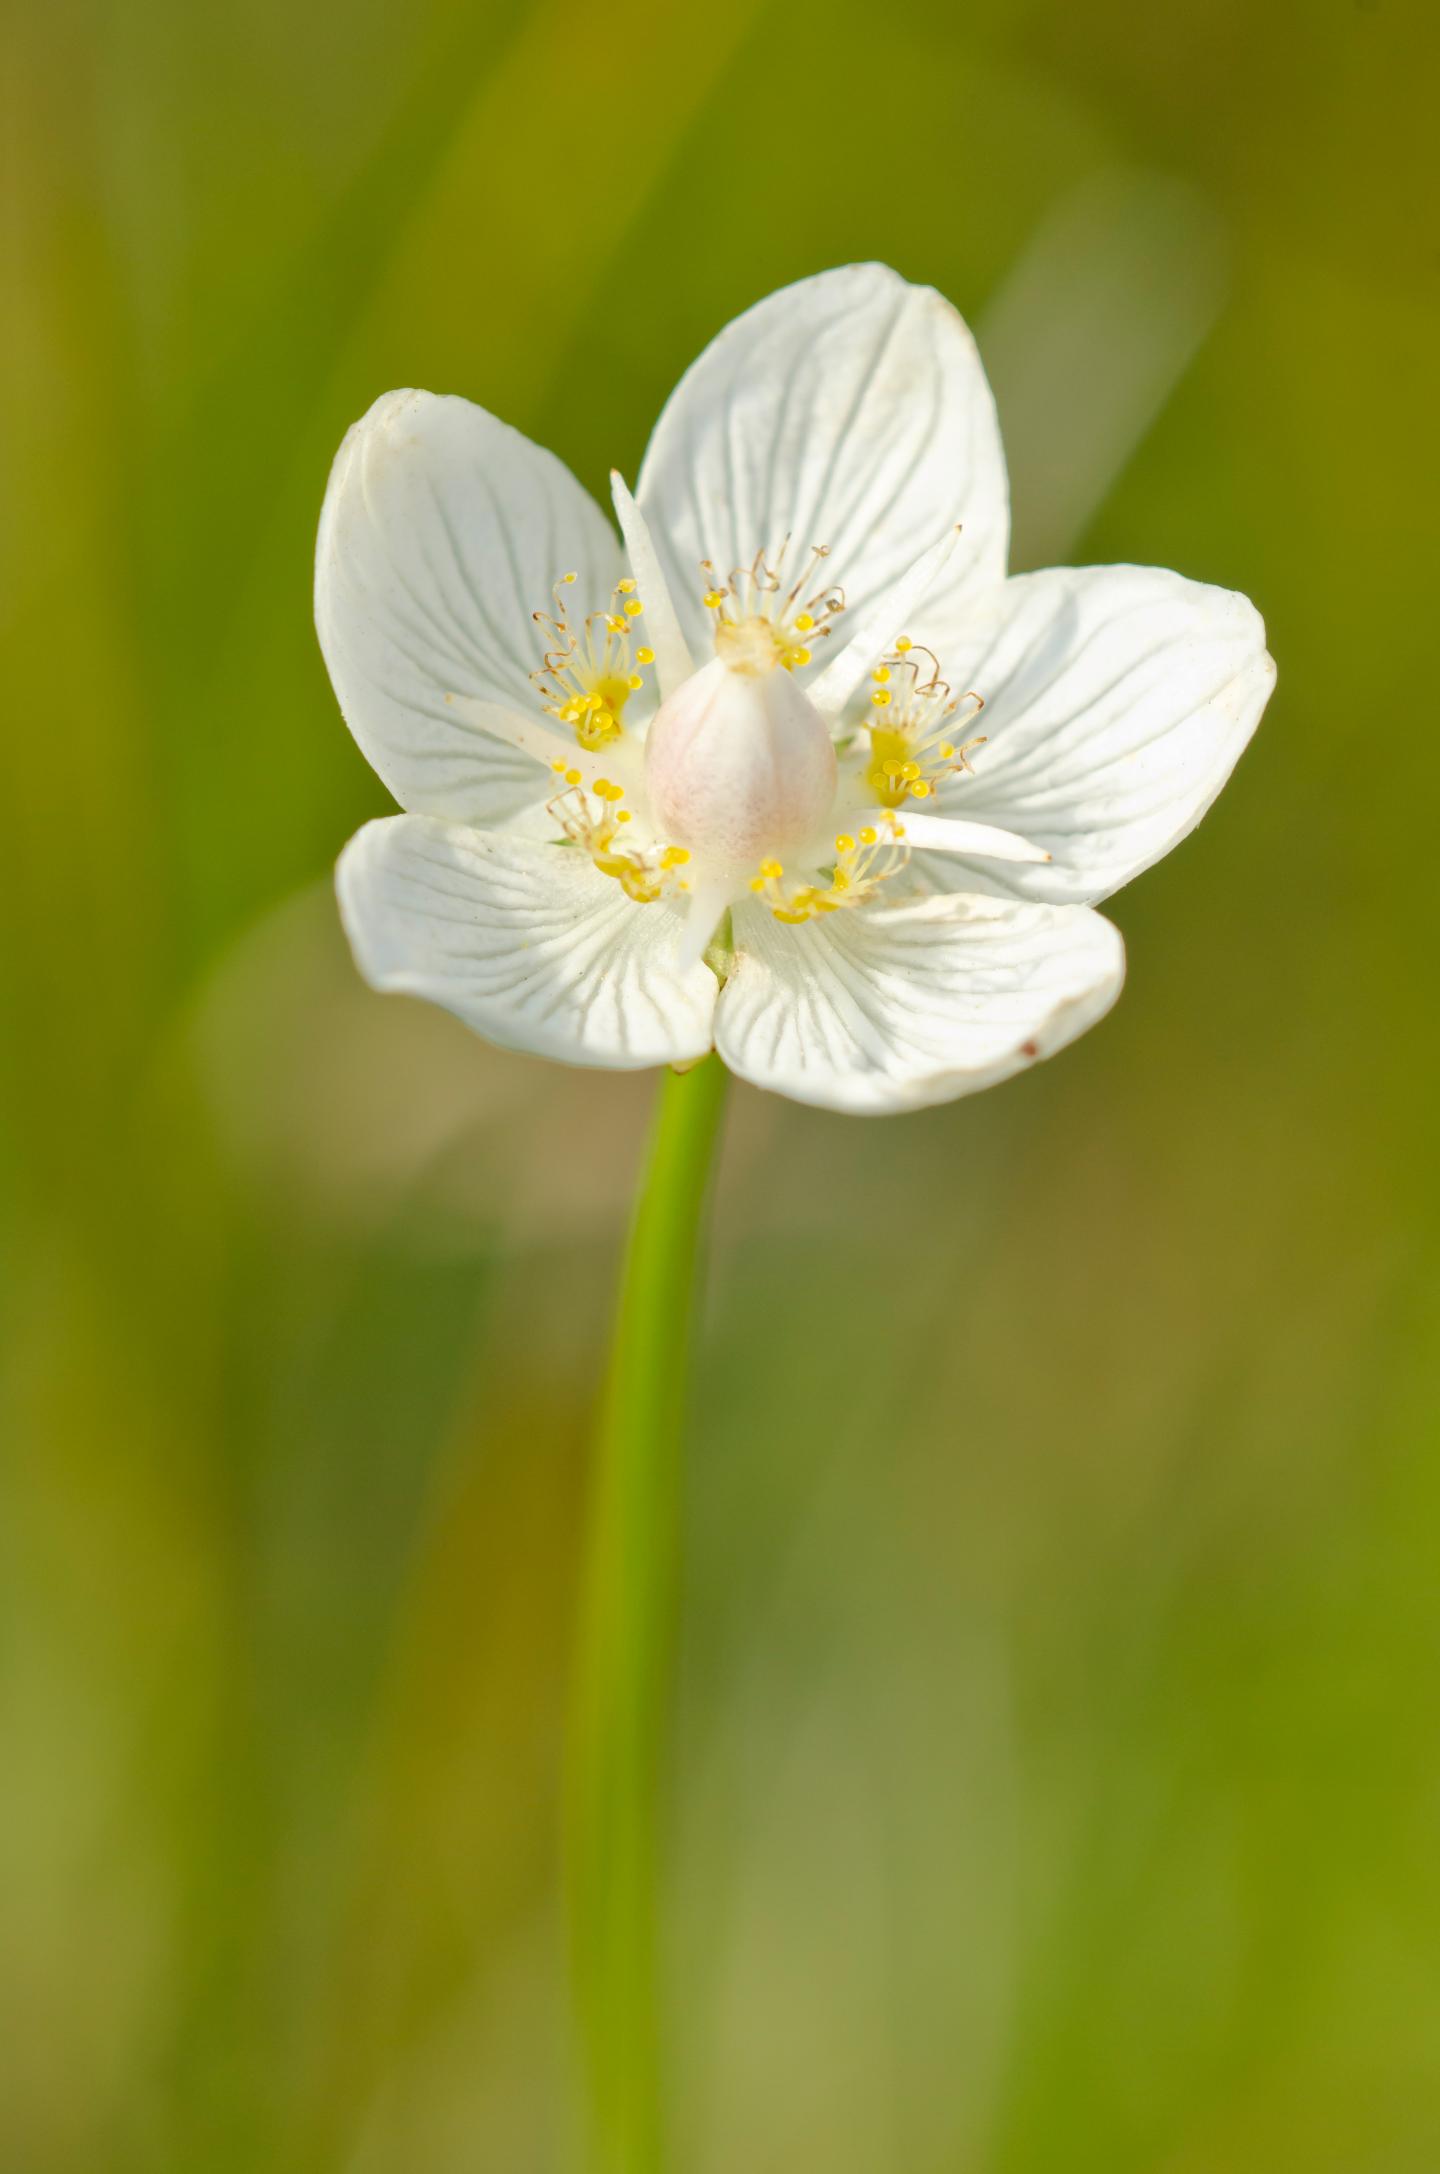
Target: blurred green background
[{"x": 1058, "y": 1781}]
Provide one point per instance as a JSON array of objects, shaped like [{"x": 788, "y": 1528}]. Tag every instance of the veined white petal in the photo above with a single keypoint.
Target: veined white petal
[
  {"x": 673, "y": 661},
  {"x": 832, "y": 687},
  {"x": 443, "y": 531},
  {"x": 944, "y": 834},
  {"x": 889, "y": 1009},
  {"x": 527, "y": 943},
  {"x": 1117, "y": 701},
  {"x": 849, "y": 411}
]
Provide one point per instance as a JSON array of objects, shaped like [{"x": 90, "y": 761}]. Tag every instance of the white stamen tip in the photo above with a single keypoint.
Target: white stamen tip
[{"x": 986, "y": 841}]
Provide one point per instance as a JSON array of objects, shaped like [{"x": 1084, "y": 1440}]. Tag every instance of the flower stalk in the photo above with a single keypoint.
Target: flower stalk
[{"x": 626, "y": 1636}]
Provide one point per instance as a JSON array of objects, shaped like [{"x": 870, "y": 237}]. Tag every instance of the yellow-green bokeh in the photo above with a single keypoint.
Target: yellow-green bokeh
[{"x": 1056, "y": 1767}]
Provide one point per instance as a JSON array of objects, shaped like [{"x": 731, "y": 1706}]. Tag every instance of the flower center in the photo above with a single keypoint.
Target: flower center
[
  {"x": 738, "y": 763},
  {"x": 914, "y": 727},
  {"x": 589, "y": 672},
  {"x": 757, "y": 616},
  {"x": 862, "y": 863}
]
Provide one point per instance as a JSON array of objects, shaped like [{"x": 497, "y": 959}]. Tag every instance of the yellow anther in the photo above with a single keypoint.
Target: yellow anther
[
  {"x": 644, "y": 873},
  {"x": 767, "y": 611},
  {"x": 558, "y": 767},
  {"x": 615, "y": 623},
  {"x": 862, "y": 864},
  {"x": 634, "y": 608},
  {"x": 634, "y": 681},
  {"x": 881, "y": 673},
  {"x": 569, "y": 577},
  {"x": 625, "y": 588},
  {"x": 645, "y": 656},
  {"x": 913, "y": 749}
]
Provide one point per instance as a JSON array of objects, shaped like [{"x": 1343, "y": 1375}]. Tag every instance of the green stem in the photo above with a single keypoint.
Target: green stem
[{"x": 626, "y": 1635}]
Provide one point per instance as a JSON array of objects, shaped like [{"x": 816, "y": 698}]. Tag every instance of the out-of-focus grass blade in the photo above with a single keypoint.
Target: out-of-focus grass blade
[
  {"x": 481, "y": 280},
  {"x": 514, "y": 248},
  {"x": 1088, "y": 338}
]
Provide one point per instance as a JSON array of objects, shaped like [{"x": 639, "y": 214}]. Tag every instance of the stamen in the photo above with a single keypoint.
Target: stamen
[
  {"x": 644, "y": 875},
  {"x": 588, "y": 674},
  {"x": 863, "y": 861},
  {"x": 832, "y": 687},
  {"x": 757, "y": 592},
  {"x": 914, "y": 748}
]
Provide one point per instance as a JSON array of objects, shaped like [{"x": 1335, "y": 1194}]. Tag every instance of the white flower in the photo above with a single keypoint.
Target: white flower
[{"x": 731, "y": 785}]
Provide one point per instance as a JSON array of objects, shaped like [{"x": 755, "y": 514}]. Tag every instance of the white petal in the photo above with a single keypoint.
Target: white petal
[
  {"x": 527, "y": 943},
  {"x": 1118, "y": 700},
  {"x": 849, "y": 410},
  {"x": 885, "y": 1009},
  {"x": 443, "y": 531}
]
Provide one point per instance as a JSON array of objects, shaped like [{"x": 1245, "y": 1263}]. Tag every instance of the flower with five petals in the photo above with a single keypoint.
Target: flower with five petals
[{"x": 793, "y": 771}]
